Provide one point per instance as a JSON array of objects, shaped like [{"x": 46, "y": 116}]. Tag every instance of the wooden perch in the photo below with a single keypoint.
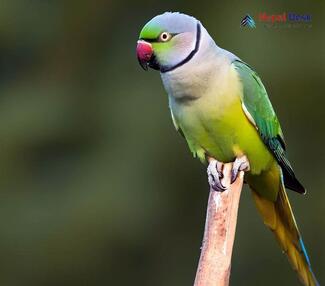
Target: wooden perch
[{"x": 220, "y": 226}]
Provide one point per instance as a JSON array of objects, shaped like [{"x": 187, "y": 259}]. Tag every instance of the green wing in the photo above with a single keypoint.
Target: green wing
[{"x": 259, "y": 110}]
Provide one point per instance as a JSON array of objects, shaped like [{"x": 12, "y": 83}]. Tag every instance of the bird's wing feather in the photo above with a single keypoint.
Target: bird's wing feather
[{"x": 259, "y": 110}]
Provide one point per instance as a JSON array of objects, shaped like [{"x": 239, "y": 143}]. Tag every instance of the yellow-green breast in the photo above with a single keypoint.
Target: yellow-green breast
[{"x": 216, "y": 125}]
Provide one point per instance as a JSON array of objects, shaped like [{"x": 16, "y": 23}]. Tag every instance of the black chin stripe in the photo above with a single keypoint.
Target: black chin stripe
[{"x": 164, "y": 69}]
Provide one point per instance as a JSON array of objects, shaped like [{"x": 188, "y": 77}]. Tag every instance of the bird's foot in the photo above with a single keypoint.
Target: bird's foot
[
  {"x": 215, "y": 175},
  {"x": 240, "y": 164}
]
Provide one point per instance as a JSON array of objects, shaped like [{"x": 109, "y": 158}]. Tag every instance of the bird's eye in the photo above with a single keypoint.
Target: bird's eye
[{"x": 164, "y": 37}]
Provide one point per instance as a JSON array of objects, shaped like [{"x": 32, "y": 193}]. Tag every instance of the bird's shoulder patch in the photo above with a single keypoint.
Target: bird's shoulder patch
[{"x": 248, "y": 115}]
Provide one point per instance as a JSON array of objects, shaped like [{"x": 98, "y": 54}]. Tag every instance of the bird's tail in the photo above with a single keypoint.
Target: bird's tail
[{"x": 278, "y": 216}]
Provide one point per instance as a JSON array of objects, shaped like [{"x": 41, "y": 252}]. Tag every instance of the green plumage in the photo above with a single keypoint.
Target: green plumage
[
  {"x": 256, "y": 101},
  {"x": 219, "y": 104}
]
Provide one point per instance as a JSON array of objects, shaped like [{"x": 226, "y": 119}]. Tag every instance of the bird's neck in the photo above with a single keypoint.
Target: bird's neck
[{"x": 191, "y": 80}]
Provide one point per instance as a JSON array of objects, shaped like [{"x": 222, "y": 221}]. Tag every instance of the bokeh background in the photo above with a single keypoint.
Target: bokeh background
[{"x": 96, "y": 186}]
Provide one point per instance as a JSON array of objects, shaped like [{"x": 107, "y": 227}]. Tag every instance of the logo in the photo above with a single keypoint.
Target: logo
[
  {"x": 285, "y": 20},
  {"x": 281, "y": 20},
  {"x": 248, "y": 21}
]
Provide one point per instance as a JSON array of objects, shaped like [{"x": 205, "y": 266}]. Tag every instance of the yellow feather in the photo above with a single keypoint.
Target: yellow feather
[{"x": 279, "y": 218}]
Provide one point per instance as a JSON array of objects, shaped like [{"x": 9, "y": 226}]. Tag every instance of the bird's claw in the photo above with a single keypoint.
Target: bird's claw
[
  {"x": 240, "y": 164},
  {"x": 215, "y": 175}
]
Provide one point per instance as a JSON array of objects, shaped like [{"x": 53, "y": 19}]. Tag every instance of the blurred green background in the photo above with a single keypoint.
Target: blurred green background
[{"x": 97, "y": 188}]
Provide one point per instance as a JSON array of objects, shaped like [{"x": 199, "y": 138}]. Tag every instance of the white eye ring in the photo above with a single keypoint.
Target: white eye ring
[{"x": 164, "y": 37}]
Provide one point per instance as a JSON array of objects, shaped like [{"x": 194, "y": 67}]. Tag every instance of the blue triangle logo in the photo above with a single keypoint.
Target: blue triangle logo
[{"x": 248, "y": 21}]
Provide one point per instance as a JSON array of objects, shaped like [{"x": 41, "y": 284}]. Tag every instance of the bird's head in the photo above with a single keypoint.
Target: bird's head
[{"x": 168, "y": 41}]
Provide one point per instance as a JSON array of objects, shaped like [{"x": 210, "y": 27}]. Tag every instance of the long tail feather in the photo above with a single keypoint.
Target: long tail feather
[{"x": 278, "y": 216}]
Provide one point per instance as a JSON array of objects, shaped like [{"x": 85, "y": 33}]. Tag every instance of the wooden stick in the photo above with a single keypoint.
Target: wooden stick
[{"x": 220, "y": 226}]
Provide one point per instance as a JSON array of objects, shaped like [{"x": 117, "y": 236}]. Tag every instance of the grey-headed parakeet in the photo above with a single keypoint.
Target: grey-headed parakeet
[{"x": 220, "y": 105}]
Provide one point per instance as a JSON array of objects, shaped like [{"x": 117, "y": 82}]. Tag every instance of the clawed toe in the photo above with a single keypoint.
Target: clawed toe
[
  {"x": 215, "y": 175},
  {"x": 215, "y": 172},
  {"x": 240, "y": 164}
]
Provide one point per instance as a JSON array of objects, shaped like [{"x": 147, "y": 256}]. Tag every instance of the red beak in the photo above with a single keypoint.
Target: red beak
[{"x": 144, "y": 53}]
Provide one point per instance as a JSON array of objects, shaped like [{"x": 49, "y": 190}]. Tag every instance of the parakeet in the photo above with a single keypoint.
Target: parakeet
[{"x": 220, "y": 105}]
